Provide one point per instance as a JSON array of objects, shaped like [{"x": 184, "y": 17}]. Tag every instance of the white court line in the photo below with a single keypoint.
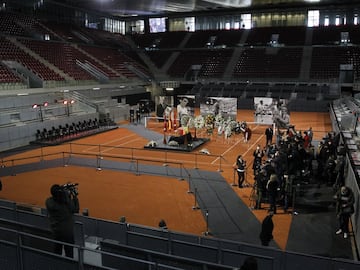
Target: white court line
[
  {"x": 229, "y": 149},
  {"x": 115, "y": 140},
  {"x": 256, "y": 142},
  {"x": 113, "y": 147},
  {"x": 137, "y": 139}
]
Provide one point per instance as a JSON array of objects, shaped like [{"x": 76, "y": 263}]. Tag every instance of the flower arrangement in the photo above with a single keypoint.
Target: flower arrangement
[
  {"x": 209, "y": 119},
  {"x": 209, "y": 123},
  {"x": 173, "y": 143},
  {"x": 185, "y": 119},
  {"x": 199, "y": 122},
  {"x": 219, "y": 120},
  {"x": 151, "y": 144},
  {"x": 204, "y": 151},
  {"x": 191, "y": 122}
]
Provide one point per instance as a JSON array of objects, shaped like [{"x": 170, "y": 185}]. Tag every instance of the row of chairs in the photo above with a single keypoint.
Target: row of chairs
[{"x": 69, "y": 130}]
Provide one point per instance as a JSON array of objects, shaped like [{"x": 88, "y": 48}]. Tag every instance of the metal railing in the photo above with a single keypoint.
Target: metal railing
[{"x": 135, "y": 155}]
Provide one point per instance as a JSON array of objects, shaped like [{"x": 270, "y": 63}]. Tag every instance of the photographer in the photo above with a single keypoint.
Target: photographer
[{"x": 61, "y": 206}]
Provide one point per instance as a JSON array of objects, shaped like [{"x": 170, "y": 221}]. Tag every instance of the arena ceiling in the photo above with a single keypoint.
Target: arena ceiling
[{"x": 158, "y": 7}]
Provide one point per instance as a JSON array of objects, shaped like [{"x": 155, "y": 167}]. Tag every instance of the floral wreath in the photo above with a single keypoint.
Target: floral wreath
[
  {"x": 219, "y": 120},
  {"x": 199, "y": 122},
  {"x": 210, "y": 119},
  {"x": 187, "y": 120},
  {"x": 232, "y": 124}
]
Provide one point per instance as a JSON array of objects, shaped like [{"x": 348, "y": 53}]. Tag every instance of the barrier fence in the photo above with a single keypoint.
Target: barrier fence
[
  {"x": 188, "y": 160},
  {"x": 130, "y": 246},
  {"x": 139, "y": 165}
]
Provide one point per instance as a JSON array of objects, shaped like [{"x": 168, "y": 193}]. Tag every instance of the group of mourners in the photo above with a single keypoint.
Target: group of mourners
[{"x": 287, "y": 163}]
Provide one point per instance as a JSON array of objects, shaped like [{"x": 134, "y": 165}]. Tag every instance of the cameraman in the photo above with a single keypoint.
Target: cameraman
[{"x": 60, "y": 207}]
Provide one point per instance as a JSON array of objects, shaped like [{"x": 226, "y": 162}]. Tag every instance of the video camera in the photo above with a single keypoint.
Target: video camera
[{"x": 71, "y": 188}]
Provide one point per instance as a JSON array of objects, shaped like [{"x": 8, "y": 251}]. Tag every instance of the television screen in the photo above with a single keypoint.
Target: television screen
[{"x": 157, "y": 25}]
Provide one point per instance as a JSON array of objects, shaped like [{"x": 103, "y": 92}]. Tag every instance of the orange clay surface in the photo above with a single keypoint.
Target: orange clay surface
[{"x": 145, "y": 199}]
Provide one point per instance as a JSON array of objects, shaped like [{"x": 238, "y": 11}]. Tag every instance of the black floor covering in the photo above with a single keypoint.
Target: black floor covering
[{"x": 313, "y": 229}]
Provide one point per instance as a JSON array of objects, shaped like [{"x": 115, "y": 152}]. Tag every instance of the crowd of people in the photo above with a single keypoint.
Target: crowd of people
[
  {"x": 292, "y": 160},
  {"x": 278, "y": 165}
]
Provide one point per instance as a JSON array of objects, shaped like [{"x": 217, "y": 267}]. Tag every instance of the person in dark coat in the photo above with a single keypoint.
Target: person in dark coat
[
  {"x": 258, "y": 156},
  {"x": 260, "y": 185},
  {"x": 344, "y": 209},
  {"x": 269, "y": 133},
  {"x": 267, "y": 227},
  {"x": 60, "y": 207},
  {"x": 240, "y": 168},
  {"x": 272, "y": 189}
]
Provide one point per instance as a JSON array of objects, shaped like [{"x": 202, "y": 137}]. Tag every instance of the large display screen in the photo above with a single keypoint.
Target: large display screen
[{"x": 157, "y": 25}]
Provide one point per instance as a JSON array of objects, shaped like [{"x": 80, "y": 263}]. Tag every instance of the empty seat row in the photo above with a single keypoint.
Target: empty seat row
[{"x": 60, "y": 132}]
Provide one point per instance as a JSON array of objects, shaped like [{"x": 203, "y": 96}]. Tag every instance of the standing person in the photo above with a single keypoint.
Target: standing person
[
  {"x": 247, "y": 134},
  {"x": 310, "y": 134},
  {"x": 60, "y": 207},
  {"x": 344, "y": 209},
  {"x": 258, "y": 155},
  {"x": 138, "y": 113},
  {"x": 267, "y": 227},
  {"x": 260, "y": 184},
  {"x": 241, "y": 166},
  {"x": 306, "y": 140},
  {"x": 160, "y": 108},
  {"x": 269, "y": 133},
  {"x": 272, "y": 188}
]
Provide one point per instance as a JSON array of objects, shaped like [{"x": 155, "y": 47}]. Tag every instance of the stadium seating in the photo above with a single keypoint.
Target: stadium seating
[
  {"x": 112, "y": 58},
  {"x": 103, "y": 243},
  {"x": 269, "y": 63},
  {"x": 159, "y": 58},
  {"x": 169, "y": 40},
  {"x": 12, "y": 53},
  {"x": 213, "y": 62},
  {"x": 261, "y": 60},
  {"x": 288, "y": 36}
]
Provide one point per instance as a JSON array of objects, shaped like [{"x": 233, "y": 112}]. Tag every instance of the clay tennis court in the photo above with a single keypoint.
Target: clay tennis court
[{"x": 145, "y": 199}]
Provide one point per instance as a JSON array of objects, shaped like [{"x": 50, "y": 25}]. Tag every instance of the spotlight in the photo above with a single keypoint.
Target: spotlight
[{"x": 45, "y": 104}]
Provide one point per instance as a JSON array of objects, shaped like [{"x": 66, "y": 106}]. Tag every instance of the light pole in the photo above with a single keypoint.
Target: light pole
[
  {"x": 45, "y": 104},
  {"x": 67, "y": 103}
]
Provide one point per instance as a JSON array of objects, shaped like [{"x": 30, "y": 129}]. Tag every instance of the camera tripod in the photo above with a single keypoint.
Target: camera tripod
[{"x": 246, "y": 183}]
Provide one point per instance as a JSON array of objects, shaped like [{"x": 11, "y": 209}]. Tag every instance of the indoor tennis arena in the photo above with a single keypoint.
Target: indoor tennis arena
[{"x": 183, "y": 134}]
